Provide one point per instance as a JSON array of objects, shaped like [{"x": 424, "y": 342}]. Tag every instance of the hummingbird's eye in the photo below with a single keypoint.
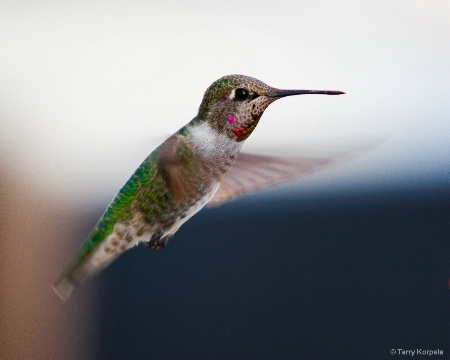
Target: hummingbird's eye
[{"x": 241, "y": 94}]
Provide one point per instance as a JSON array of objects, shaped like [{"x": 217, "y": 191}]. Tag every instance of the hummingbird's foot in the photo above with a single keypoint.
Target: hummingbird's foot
[
  {"x": 157, "y": 241},
  {"x": 155, "y": 244}
]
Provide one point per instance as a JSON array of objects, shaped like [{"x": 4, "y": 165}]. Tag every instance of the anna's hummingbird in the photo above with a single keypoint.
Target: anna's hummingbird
[{"x": 197, "y": 165}]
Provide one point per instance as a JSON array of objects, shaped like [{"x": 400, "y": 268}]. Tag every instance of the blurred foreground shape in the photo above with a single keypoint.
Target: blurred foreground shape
[{"x": 37, "y": 235}]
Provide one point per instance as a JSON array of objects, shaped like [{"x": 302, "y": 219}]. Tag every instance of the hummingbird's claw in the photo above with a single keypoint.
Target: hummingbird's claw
[{"x": 158, "y": 241}]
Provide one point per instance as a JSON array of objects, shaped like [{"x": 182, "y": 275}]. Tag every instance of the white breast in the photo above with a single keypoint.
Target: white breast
[{"x": 212, "y": 144}]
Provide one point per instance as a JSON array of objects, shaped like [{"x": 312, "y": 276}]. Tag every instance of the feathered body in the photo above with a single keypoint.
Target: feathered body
[{"x": 181, "y": 176}]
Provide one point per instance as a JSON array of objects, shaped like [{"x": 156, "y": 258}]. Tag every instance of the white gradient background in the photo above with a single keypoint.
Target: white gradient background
[{"x": 88, "y": 88}]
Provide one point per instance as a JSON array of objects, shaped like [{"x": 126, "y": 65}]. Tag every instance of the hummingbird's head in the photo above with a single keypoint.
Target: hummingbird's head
[{"x": 234, "y": 104}]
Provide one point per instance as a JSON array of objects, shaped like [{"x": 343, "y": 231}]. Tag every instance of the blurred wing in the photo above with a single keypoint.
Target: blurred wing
[
  {"x": 255, "y": 172},
  {"x": 179, "y": 185}
]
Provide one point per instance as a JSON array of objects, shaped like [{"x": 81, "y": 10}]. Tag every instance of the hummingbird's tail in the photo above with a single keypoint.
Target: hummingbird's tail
[
  {"x": 93, "y": 257},
  {"x": 64, "y": 286},
  {"x": 74, "y": 275},
  {"x": 81, "y": 268},
  {"x": 88, "y": 262}
]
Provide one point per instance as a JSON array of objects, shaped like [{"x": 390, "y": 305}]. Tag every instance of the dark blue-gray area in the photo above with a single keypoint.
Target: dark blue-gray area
[{"x": 327, "y": 275}]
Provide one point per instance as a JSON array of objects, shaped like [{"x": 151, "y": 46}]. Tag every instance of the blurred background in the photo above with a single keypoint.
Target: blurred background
[{"x": 350, "y": 262}]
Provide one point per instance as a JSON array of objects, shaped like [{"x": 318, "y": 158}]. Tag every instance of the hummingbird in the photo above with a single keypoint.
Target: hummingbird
[{"x": 200, "y": 164}]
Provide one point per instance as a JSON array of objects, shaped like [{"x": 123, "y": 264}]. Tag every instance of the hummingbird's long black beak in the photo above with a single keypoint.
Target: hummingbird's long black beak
[{"x": 284, "y": 93}]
